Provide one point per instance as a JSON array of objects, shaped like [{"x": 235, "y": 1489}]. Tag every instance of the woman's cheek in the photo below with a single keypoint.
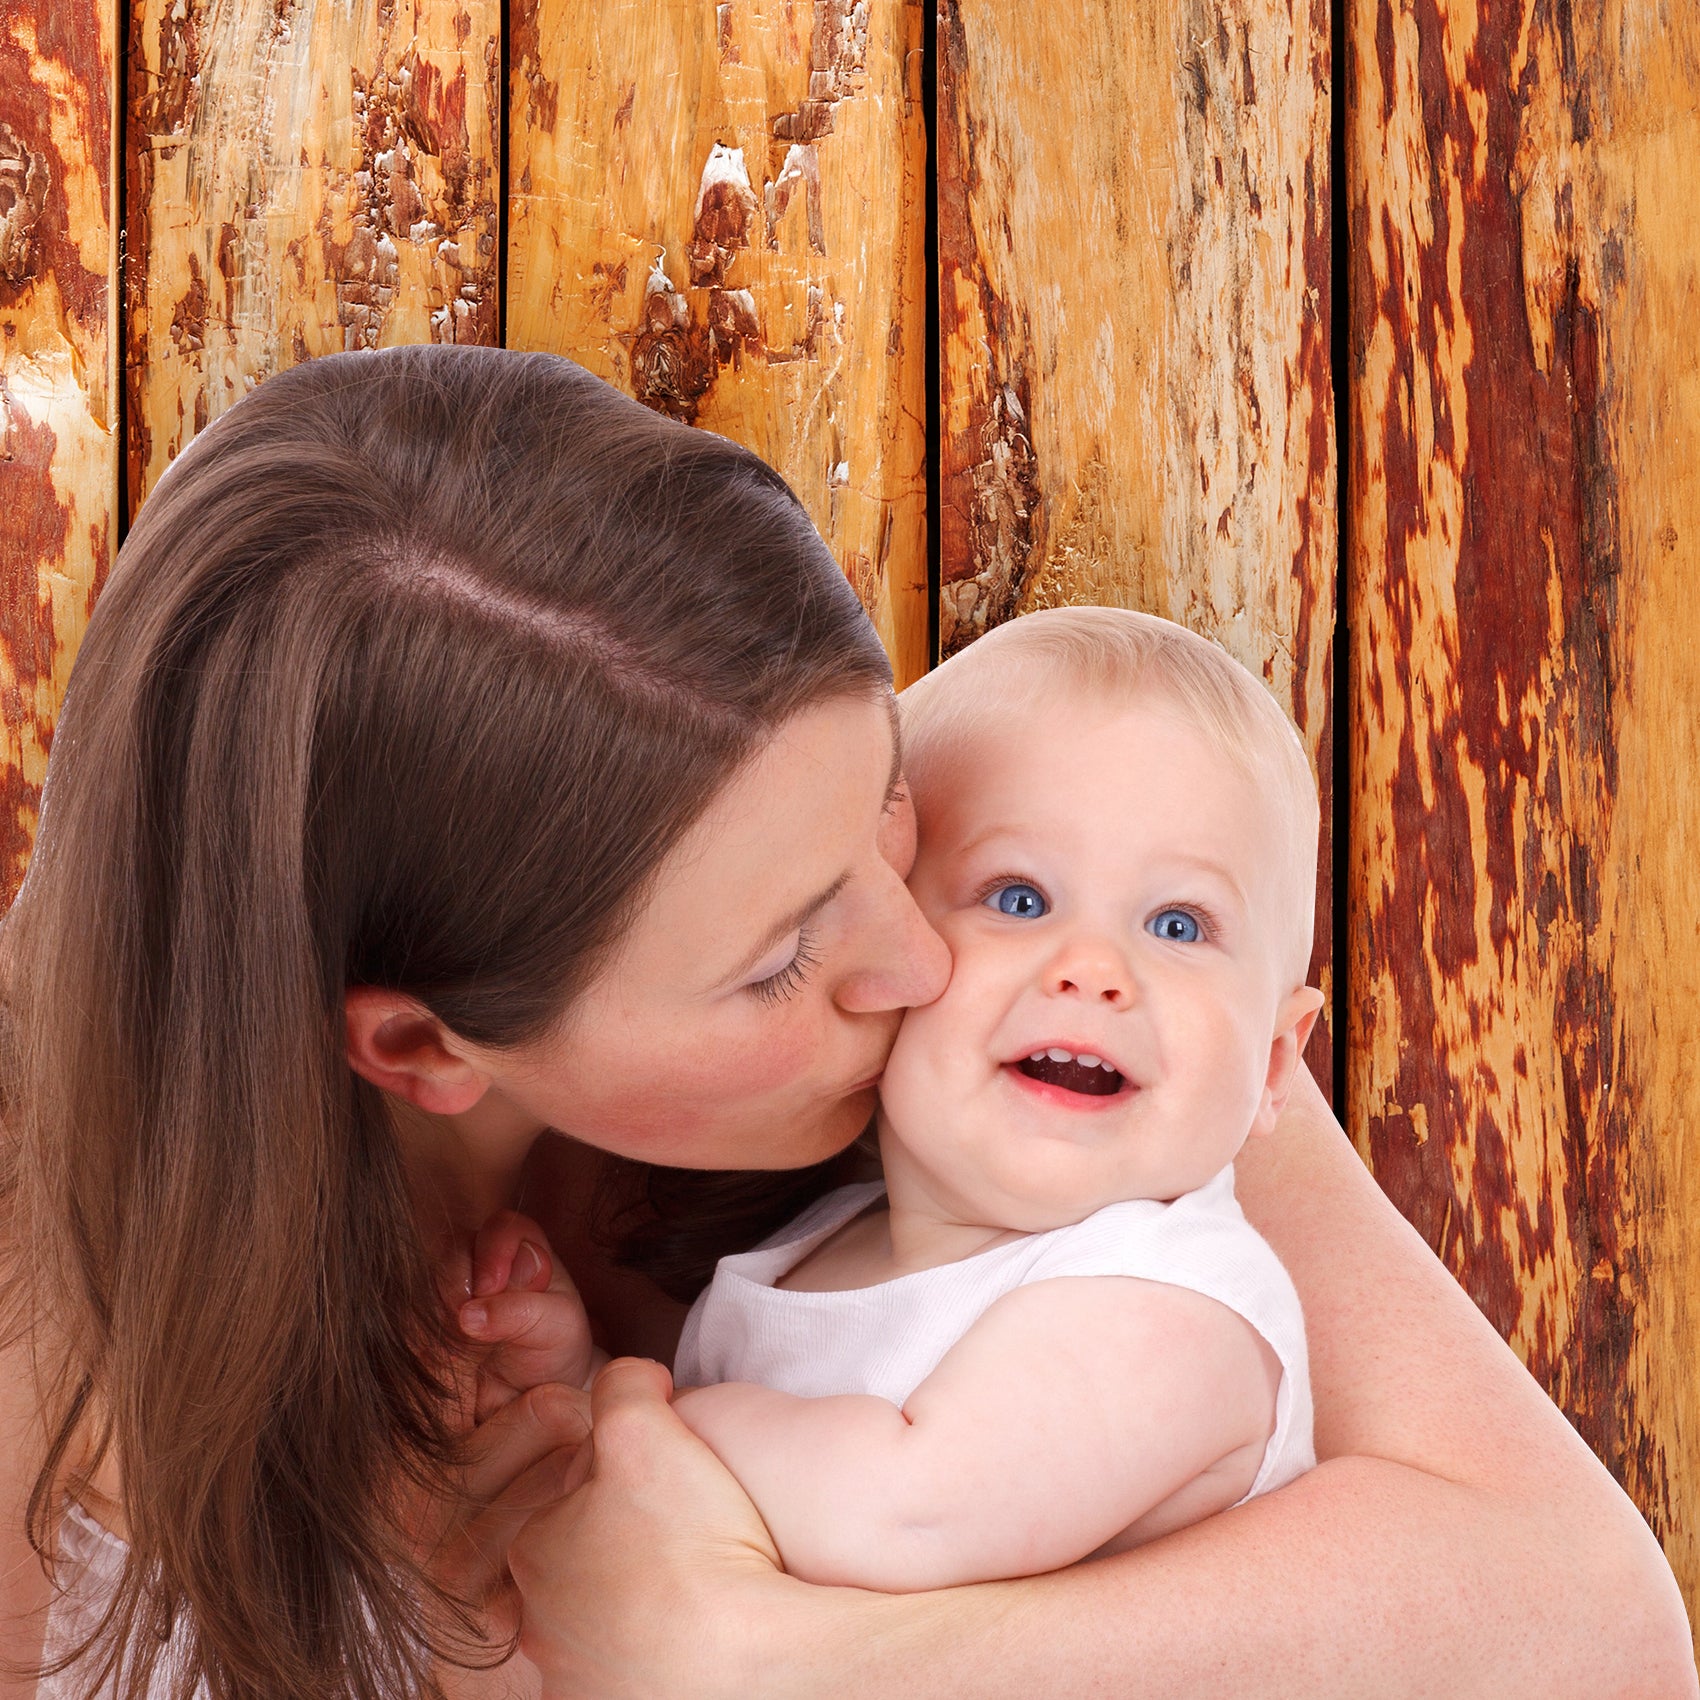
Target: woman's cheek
[{"x": 758, "y": 1052}]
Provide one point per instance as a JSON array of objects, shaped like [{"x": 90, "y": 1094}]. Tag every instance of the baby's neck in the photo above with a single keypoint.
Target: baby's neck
[
  {"x": 913, "y": 1229},
  {"x": 887, "y": 1242}
]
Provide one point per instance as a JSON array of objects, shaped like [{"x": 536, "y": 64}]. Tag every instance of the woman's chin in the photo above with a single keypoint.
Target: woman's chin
[{"x": 835, "y": 1130}]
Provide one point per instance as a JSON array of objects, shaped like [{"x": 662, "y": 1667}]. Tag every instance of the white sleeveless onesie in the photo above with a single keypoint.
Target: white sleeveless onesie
[{"x": 887, "y": 1339}]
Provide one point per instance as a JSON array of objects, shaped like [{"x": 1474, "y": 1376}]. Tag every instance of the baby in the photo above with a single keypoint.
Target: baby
[{"x": 1050, "y": 1333}]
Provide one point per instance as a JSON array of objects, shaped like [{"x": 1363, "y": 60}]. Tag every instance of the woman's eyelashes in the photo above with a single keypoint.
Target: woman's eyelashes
[{"x": 776, "y": 987}]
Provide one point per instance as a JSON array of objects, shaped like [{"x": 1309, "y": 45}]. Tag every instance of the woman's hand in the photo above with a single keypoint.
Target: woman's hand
[
  {"x": 526, "y": 1446},
  {"x": 518, "y": 1461},
  {"x": 654, "y": 1579}
]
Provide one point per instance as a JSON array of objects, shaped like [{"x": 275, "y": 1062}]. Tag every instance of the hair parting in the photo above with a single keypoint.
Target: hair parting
[{"x": 410, "y": 673}]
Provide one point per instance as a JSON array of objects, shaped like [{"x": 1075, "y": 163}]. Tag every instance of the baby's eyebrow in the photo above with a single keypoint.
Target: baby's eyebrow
[
  {"x": 1226, "y": 875},
  {"x": 981, "y": 839}
]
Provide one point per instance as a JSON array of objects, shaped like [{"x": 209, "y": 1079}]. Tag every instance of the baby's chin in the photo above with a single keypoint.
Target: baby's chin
[
  {"x": 1022, "y": 1198},
  {"x": 1020, "y": 1183}
]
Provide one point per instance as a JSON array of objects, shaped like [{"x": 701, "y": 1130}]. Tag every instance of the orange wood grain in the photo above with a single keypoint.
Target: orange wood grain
[
  {"x": 1525, "y": 1022},
  {"x": 304, "y": 177},
  {"x": 58, "y": 394},
  {"x": 1137, "y": 405},
  {"x": 721, "y": 210}
]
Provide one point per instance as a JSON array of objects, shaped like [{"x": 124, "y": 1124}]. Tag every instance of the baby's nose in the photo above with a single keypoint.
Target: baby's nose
[{"x": 1093, "y": 969}]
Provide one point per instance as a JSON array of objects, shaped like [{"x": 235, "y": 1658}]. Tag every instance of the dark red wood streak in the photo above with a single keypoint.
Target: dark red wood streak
[
  {"x": 1314, "y": 564},
  {"x": 1539, "y": 530},
  {"x": 162, "y": 105},
  {"x": 39, "y": 254}
]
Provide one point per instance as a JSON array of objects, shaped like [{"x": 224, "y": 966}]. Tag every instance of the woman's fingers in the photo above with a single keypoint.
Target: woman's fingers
[
  {"x": 509, "y": 1443},
  {"x": 522, "y": 1459},
  {"x": 648, "y": 1576},
  {"x": 642, "y": 1449},
  {"x": 484, "y": 1541}
]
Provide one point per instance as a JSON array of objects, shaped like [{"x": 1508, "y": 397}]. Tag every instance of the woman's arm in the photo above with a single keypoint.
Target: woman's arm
[{"x": 1457, "y": 1540}]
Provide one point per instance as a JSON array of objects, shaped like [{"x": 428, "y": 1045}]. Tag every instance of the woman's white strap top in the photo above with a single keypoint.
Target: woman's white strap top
[{"x": 89, "y": 1566}]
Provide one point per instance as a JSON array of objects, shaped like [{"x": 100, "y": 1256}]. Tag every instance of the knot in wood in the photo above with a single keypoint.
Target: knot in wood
[{"x": 24, "y": 181}]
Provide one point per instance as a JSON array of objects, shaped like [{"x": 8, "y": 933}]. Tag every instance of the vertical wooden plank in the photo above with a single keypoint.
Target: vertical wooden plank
[
  {"x": 721, "y": 209},
  {"x": 58, "y": 425},
  {"x": 1525, "y": 1024},
  {"x": 1134, "y": 313},
  {"x": 304, "y": 176}
]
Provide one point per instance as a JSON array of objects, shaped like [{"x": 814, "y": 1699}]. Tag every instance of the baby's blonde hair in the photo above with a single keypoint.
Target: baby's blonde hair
[{"x": 1118, "y": 655}]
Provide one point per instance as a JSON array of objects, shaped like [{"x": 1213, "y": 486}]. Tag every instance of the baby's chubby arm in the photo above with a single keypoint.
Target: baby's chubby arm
[{"x": 1069, "y": 1410}]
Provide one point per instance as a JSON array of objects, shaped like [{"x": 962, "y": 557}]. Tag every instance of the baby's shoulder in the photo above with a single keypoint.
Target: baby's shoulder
[{"x": 1141, "y": 1236}]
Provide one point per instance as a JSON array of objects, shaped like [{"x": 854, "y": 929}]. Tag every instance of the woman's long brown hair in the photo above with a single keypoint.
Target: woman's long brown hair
[{"x": 409, "y": 674}]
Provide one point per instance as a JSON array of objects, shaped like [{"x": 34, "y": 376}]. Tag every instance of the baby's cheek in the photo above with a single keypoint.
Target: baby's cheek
[{"x": 909, "y": 1087}]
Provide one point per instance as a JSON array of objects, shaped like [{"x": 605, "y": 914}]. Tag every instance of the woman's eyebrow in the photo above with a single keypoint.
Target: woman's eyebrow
[
  {"x": 896, "y": 779},
  {"x": 789, "y": 924},
  {"x": 894, "y": 785}
]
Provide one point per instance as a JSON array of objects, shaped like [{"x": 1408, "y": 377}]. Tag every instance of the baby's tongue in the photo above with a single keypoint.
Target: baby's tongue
[{"x": 1073, "y": 1076}]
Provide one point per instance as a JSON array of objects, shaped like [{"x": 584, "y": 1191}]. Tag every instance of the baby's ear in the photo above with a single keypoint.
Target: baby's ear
[{"x": 1293, "y": 1022}]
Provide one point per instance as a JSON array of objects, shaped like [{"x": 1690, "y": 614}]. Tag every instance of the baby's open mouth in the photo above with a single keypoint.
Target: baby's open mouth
[{"x": 1086, "y": 1074}]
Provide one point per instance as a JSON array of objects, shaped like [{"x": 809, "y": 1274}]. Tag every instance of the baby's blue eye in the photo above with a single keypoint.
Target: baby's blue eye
[
  {"x": 1025, "y": 901},
  {"x": 1180, "y": 926}
]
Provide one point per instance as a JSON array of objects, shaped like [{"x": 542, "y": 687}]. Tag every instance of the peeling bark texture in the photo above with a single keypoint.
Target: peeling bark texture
[
  {"x": 1134, "y": 320},
  {"x": 1525, "y": 1020},
  {"x": 58, "y": 432},
  {"x": 305, "y": 176},
  {"x": 721, "y": 210}
]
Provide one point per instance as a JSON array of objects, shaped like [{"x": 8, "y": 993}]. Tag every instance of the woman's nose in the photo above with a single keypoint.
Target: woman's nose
[
  {"x": 1092, "y": 969},
  {"x": 905, "y": 961}
]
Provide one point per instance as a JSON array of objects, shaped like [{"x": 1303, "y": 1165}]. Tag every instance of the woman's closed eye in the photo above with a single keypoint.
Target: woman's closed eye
[{"x": 784, "y": 982}]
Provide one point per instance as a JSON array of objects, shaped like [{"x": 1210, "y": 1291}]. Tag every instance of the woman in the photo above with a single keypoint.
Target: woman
[{"x": 460, "y": 752}]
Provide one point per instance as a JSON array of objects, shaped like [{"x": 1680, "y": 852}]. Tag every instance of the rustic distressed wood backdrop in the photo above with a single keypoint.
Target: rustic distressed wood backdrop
[{"x": 1037, "y": 305}]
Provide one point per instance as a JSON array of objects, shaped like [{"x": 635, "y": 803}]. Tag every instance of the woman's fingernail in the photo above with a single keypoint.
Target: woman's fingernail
[
  {"x": 474, "y": 1318},
  {"x": 527, "y": 1264}
]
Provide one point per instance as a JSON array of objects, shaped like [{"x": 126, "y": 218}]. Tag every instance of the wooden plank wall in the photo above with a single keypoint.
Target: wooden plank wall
[
  {"x": 745, "y": 252},
  {"x": 723, "y": 210},
  {"x": 304, "y": 176},
  {"x": 58, "y": 394},
  {"x": 1524, "y": 1026}
]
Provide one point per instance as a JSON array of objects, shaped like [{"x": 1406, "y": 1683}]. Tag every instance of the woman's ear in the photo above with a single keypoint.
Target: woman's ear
[
  {"x": 1293, "y": 1022},
  {"x": 396, "y": 1043}
]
